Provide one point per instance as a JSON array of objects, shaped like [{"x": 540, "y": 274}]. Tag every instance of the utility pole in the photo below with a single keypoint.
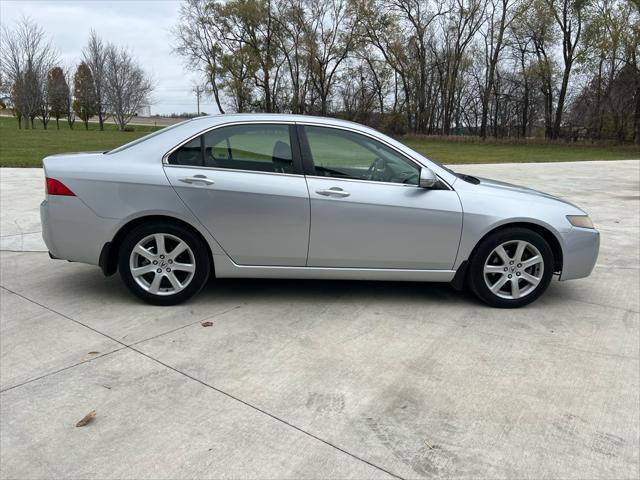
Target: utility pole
[{"x": 198, "y": 92}]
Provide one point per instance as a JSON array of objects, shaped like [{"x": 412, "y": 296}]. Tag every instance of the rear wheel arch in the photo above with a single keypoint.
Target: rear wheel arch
[{"x": 109, "y": 254}]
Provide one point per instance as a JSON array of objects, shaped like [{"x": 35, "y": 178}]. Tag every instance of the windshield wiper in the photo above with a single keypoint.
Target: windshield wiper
[{"x": 467, "y": 178}]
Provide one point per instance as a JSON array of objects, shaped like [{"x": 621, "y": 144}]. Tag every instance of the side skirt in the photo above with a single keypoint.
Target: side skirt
[{"x": 226, "y": 268}]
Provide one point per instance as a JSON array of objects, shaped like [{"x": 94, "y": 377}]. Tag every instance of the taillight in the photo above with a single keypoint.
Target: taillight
[{"x": 56, "y": 187}]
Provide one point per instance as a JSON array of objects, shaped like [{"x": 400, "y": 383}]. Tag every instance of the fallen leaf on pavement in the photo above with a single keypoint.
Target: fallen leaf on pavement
[
  {"x": 86, "y": 419},
  {"x": 207, "y": 324}
]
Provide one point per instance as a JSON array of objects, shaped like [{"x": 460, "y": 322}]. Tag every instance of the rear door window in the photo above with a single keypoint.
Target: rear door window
[{"x": 254, "y": 147}]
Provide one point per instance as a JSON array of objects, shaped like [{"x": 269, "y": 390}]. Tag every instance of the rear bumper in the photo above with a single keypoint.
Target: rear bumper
[
  {"x": 72, "y": 231},
  {"x": 580, "y": 252},
  {"x": 46, "y": 230}
]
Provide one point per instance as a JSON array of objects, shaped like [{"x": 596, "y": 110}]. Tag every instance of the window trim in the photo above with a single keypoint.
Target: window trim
[
  {"x": 293, "y": 143},
  {"x": 309, "y": 165},
  {"x": 298, "y": 152},
  {"x": 237, "y": 170}
]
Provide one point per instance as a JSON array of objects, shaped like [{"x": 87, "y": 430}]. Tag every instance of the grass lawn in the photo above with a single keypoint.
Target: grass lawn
[
  {"x": 461, "y": 151},
  {"x": 27, "y": 148}
]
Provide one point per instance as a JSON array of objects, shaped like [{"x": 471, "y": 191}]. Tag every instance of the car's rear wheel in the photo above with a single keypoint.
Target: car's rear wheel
[
  {"x": 511, "y": 268},
  {"x": 163, "y": 263}
]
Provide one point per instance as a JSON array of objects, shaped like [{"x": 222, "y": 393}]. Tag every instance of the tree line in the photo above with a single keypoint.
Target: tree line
[
  {"x": 107, "y": 82},
  {"x": 501, "y": 68}
]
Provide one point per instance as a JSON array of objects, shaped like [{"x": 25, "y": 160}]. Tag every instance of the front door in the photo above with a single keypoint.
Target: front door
[
  {"x": 243, "y": 184},
  {"x": 367, "y": 210}
]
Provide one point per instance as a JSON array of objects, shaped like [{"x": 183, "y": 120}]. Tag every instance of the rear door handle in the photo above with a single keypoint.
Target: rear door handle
[
  {"x": 333, "y": 192},
  {"x": 198, "y": 179}
]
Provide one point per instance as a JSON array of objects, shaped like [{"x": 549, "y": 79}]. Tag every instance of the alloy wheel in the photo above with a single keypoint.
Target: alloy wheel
[
  {"x": 513, "y": 269},
  {"x": 162, "y": 264}
]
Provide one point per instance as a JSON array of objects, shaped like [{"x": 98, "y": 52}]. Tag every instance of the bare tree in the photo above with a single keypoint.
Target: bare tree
[
  {"x": 380, "y": 76},
  {"x": 292, "y": 31},
  {"x": 16, "y": 107},
  {"x": 252, "y": 26},
  {"x": 44, "y": 107},
  {"x": 95, "y": 56},
  {"x": 25, "y": 60},
  {"x": 426, "y": 66},
  {"x": 331, "y": 40},
  {"x": 459, "y": 28},
  {"x": 418, "y": 18},
  {"x": 127, "y": 87},
  {"x": 568, "y": 17},
  {"x": 387, "y": 26},
  {"x": 27, "y": 94},
  {"x": 536, "y": 25},
  {"x": 237, "y": 73},
  {"x": 198, "y": 41},
  {"x": 498, "y": 19},
  {"x": 632, "y": 49},
  {"x": 71, "y": 114},
  {"x": 520, "y": 51}
]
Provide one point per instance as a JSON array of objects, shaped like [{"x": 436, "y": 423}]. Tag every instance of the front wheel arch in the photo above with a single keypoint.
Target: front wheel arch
[
  {"x": 109, "y": 255},
  {"x": 460, "y": 278},
  {"x": 545, "y": 233}
]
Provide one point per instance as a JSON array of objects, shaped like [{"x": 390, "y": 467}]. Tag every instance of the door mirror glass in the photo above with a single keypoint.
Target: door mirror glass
[{"x": 428, "y": 179}]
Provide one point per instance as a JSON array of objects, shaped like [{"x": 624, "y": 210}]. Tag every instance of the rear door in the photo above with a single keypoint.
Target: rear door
[
  {"x": 244, "y": 183},
  {"x": 367, "y": 210}
]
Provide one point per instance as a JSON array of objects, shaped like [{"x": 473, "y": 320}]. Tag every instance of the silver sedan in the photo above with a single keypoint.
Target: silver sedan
[{"x": 285, "y": 196}]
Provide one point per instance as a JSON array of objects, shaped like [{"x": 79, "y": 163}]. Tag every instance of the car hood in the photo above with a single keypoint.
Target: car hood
[{"x": 499, "y": 188}]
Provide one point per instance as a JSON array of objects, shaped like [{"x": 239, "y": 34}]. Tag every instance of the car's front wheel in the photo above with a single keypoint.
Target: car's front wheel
[
  {"x": 163, "y": 263},
  {"x": 511, "y": 268}
]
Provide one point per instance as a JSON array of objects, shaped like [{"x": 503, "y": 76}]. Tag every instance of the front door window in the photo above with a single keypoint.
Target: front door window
[{"x": 344, "y": 154}]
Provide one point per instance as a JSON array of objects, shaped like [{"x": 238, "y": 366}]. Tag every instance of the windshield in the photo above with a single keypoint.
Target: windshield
[
  {"x": 144, "y": 138},
  {"x": 463, "y": 176},
  {"x": 441, "y": 166}
]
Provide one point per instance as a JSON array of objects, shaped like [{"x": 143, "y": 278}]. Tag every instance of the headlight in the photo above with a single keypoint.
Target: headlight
[{"x": 582, "y": 221}]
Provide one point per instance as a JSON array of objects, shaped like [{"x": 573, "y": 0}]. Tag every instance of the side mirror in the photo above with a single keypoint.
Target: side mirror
[{"x": 428, "y": 179}]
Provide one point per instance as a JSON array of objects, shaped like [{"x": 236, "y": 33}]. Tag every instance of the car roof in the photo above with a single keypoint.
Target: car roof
[
  {"x": 280, "y": 117},
  {"x": 172, "y": 135}
]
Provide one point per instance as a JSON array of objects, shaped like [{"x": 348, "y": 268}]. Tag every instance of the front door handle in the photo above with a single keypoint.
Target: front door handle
[
  {"x": 198, "y": 179},
  {"x": 333, "y": 192}
]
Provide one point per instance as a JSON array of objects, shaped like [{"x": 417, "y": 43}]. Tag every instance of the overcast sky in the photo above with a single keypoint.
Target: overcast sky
[{"x": 144, "y": 26}]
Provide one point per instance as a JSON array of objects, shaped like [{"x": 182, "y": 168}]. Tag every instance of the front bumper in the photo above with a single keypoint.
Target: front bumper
[{"x": 580, "y": 252}]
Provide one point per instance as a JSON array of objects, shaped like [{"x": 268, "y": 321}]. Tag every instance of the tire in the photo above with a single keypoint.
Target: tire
[
  {"x": 181, "y": 267},
  {"x": 514, "y": 276}
]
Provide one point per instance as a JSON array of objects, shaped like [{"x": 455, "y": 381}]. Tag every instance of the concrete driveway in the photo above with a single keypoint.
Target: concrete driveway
[{"x": 312, "y": 379}]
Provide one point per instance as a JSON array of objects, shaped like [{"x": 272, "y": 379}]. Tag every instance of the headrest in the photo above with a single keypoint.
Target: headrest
[{"x": 281, "y": 152}]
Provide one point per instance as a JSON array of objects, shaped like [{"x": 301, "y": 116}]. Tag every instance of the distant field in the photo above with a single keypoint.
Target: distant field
[{"x": 27, "y": 148}]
